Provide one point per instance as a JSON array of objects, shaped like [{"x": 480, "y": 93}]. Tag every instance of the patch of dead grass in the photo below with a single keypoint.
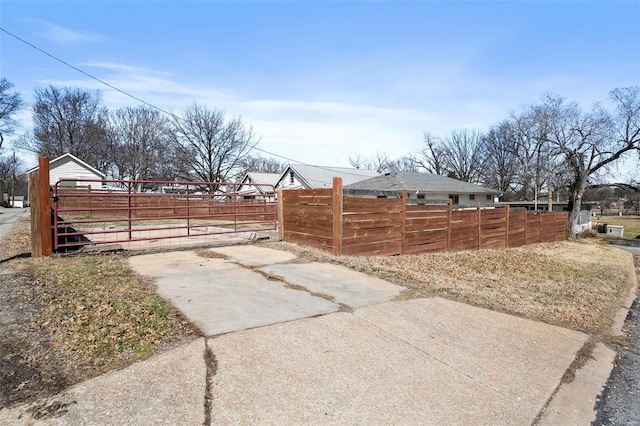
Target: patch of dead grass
[
  {"x": 578, "y": 285},
  {"x": 100, "y": 312}
]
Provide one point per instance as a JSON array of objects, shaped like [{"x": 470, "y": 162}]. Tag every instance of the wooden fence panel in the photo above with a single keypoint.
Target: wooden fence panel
[
  {"x": 371, "y": 226},
  {"x": 517, "y": 228},
  {"x": 561, "y": 225},
  {"x": 426, "y": 229},
  {"x": 493, "y": 229},
  {"x": 532, "y": 224},
  {"x": 307, "y": 217},
  {"x": 464, "y": 230}
]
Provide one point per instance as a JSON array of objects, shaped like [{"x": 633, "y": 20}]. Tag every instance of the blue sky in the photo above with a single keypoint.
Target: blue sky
[{"x": 322, "y": 81}]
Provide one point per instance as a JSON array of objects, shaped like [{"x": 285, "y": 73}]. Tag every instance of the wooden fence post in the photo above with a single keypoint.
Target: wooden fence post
[
  {"x": 41, "y": 239},
  {"x": 479, "y": 226},
  {"x": 403, "y": 226},
  {"x": 449, "y": 218},
  {"x": 337, "y": 215},
  {"x": 280, "y": 214}
]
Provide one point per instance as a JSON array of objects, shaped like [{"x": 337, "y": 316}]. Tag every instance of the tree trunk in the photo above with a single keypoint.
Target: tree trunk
[{"x": 577, "y": 188}]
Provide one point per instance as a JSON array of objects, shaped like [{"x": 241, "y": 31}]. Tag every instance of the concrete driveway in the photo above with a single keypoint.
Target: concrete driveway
[{"x": 293, "y": 343}]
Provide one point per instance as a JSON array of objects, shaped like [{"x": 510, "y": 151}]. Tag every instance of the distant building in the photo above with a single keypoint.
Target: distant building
[
  {"x": 424, "y": 188},
  {"x": 68, "y": 166},
  {"x": 305, "y": 176}
]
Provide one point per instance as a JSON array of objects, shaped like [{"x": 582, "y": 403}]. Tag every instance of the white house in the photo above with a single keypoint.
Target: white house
[
  {"x": 305, "y": 176},
  {"x": 68, "y": 166},
  {"x": 258, "y": 185}
]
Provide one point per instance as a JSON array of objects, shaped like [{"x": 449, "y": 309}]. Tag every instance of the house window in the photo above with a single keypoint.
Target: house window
[
  {"x": 489, "y": 198},
  {"x": 472, "y": 197},
  {"x": 455, "y": 199},
  {"x": 420, "y": 196},
  {"x": 291, "y": 180}
]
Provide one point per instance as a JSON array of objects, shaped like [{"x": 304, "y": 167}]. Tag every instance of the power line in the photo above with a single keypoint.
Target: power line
[
  {"x": 145, "y": 102},
  {"x": 83, "y": 72}
]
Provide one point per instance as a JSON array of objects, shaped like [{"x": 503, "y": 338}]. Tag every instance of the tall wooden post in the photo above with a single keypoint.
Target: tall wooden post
[
  {"x": 41, "y": 238},
  {"x": 337, "y": 216}
]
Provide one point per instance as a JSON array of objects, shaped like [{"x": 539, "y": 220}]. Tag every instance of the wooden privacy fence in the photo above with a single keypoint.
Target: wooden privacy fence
[{"x": 325, "y": 219}]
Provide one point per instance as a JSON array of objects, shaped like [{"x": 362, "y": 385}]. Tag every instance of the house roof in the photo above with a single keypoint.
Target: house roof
[
  {"x": 419, "y": 182},
  {"x": 260, "y": 178},
  {"x": 266, "y": 178},
  {"x": 74, "y": 158},
  {"x": 322, "y": 177}
]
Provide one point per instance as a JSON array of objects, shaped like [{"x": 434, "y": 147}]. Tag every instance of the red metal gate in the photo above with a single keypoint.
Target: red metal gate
[{"x": 99, "y": 212}]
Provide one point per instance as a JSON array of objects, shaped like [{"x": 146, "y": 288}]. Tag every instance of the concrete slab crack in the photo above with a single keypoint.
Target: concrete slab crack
[{"x": 211, "y": 366}]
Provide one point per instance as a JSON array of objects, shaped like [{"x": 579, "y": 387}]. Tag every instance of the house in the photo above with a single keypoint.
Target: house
[
  {"x": 251, "y": 191},
  {"x": 68, "y": 166},
  {"x": 423, "y": 188},
  {"x": 305, "y": 176}
]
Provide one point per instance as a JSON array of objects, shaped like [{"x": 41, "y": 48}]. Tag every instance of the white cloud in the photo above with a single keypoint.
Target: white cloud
[{"x": 62, "y": 35}]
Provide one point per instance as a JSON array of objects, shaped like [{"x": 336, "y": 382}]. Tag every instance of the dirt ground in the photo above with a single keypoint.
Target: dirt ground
[{"x": 31, "y": 367}]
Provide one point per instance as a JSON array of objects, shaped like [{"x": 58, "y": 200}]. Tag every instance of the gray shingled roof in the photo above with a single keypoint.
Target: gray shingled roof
[
  {"x": 421, "y": 182},
  {"x": 267, "y": 178},
  {"x": 322, "y": 177}
]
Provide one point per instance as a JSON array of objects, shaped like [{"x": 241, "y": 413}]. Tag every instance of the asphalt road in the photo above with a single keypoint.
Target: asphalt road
[
  {"x": 7, "y": 219},
  {"x": 619, "y": 403}
]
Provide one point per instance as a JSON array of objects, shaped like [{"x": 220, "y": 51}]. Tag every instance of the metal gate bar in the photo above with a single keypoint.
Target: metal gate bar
[{"x": 94, "y": 212}]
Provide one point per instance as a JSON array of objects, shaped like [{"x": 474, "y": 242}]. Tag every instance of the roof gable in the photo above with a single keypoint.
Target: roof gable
[
  {"x": 322, "y": 176},
  {"x": 67, "y": 156},
  {"x": 265, "y": 178}
]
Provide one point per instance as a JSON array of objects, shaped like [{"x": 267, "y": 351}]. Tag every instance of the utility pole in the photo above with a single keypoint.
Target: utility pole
[{"x": 13, "y": 179}]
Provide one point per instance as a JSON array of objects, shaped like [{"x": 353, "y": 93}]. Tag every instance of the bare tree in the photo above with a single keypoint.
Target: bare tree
[
  {"x": 499, "y": 169},
  {"x": 378, "y": 162},
  {"x": 142, "y": 146},
  {"x": 406, "y": 163},
  {"x": 12, "y": 171},
  {"x": 10, "y": 104},
  {"x": 431, "y": 156},
  {"x": 68, "y": 120},
  {"x": 213, "y": 147},
  {"x": 587, "y": 142},
  {"x": 260, "y": 164},
  {"x": 603, "y": 197},
  {"x": 463, "y": 155}
]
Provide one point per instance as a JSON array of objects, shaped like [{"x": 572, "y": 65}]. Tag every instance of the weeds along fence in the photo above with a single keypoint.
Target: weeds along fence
[{"x": 326, "y": 219}]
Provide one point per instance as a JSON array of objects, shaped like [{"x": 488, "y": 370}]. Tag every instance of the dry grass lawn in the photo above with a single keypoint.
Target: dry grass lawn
[
  {"x": 631, "y": 224},
  {"x": 578, "y": 285},
  {"x": 85, "y": 315}
]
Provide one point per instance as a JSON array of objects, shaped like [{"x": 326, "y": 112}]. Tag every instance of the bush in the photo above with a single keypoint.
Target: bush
[
  {"x": 588, "y": 233},
  {"x": 602, "y": 228}
]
